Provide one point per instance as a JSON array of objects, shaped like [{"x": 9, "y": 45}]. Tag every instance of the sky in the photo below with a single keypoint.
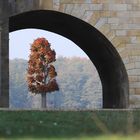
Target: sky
[{"x": 20, "y": 41}]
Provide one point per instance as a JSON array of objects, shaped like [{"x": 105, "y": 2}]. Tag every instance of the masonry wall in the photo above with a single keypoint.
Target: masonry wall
[{"x": 118, "y": 20}]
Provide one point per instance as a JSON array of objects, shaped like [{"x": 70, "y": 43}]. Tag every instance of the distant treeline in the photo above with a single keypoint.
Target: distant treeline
[{"x": 80, "y": 86}]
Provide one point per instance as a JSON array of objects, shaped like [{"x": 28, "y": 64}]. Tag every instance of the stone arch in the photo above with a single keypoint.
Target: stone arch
[{"x": 104, "y": 56}]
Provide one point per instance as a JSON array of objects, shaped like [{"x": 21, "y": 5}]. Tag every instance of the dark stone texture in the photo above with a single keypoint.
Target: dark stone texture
[
  {"x": 4, "y": 66},
  {"x": 4, "y": 54}
]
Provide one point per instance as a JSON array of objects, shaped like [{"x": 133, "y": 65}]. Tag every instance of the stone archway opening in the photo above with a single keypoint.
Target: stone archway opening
[
  {"x": 101, "y": 52},
  {"x": 72, "y": 66}
]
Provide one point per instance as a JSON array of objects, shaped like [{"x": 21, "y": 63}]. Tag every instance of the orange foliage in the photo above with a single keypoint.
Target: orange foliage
[
  {"x": 41, "y": 76},
  {"x": 41, "y": 41},
  {"x": 51, "y": 72}
]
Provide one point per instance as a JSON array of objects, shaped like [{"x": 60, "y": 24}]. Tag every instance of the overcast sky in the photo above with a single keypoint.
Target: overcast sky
[{"x": 20, "y": 44}]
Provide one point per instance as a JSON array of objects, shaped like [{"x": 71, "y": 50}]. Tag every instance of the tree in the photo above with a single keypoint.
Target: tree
[{"x": 41, "y": 73}]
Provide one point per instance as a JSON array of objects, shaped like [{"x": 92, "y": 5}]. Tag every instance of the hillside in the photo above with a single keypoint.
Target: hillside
[{"x": 78, "y": 80}]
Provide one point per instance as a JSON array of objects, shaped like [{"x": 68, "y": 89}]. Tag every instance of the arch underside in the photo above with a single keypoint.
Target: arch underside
[{"x": 101, "y": 52}]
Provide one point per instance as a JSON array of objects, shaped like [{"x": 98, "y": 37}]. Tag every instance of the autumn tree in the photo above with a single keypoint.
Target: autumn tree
[{"x": 41, "y": 73}]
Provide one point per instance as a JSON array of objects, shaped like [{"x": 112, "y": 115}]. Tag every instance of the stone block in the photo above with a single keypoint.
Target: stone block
[
  {"x": 113, "y": 20},
  {"x": 56, "y": 5},
  {"x": 134, "y": 58},
  {"x": 105, "y": 29},
  {"x": 135, "y": 52},
  {"x": 123, "y": 52},
  {"x": 96, "y": 1},
  {"x": 123, "y": 20},
  {"x": 135, "y": 7},
  {"x": 78, "y": 10},
  {"x": 135, "y": 40},
  {"x": 125, "y": 26},
  {"x": 125, "y": 60},
  {"x": 111, "y": 35},
  {"x": 135, "y": 84},
  {"x": 87, "y": 15},
  {"x": 133, "y": 1},
  {"x": 94, "y": 18},
  {"x": 69, "y": 8},
  {"x": 133, "y": 79},
  {"x": 123, "y": 14},
  {"x": 138, "y": 39},
  {"x": 132, "y": 91},
  {"x": 134, "y": 72},
  {"x": 135, "y": 101},
  {"x": 137, "y": 91},
  {"x": 137, "y": 64},
  {"x": 135, "y": 20},
  {"x": 132, "y": 46},
  {"x": 122, "y": 47},
  {"x": 101, "y": 22},
  {"x": 135, "y": 97},
  {"x": 46, "y": 4},
  {"x": 109, "y": 1},
  {"x": 117, "y": 7},
  {"x": 129, "y": 7},
  {"x": 95, "y": 7},
  {"x": 121, "y": 32},
  {"x": 118, "y": 40},
  {"x": 22, "y": 6},
  {"x": 108, "y": 13},
  {"x": 72, "y": 1},
  {"x": 88, "y": 1},
  {"x": 133, "y": 32},
  {"x": 133, "y": 14},
  {"x": 130, "y": 66},
  {"x": 62, "y": 7}
]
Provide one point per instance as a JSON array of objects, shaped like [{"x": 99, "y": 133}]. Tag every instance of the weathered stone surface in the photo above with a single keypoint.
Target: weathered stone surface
[
  {"x": 133, "y": 78},
  {"x": 101, "y": 22},
  {"x": 137, "y": 91},
  {"x": 105, "y": 29},
  {"x": 78, "y": 10},
  {"x": 132, "y": 91},
  {"x": 4, "y": 52},
  {"x": 69, "y": 8},
  {"x": 94, "y": 18},
  {"x": 56, "y": 5},
  {"x": 118, "y": 20},
  {"x": 121, "y": 32},
  {"x": 46, "y": 4},
  {"x": 110, "y": 35},
  {"x": 135, "y": 84},
  {"x": 4, "y": 66},
  {"x": 130, "y": 66},
  {"x": 87, "y": 15},
  {"x": 113, "y": 20},
  {"x": 117, "y": 7}
]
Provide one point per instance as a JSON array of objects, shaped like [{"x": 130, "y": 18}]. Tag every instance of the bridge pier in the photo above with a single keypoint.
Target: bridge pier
[{"x": 4, "y": 55}]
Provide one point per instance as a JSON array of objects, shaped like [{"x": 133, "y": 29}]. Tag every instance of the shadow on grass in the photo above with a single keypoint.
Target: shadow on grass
[{"x": 68, "y": 124}]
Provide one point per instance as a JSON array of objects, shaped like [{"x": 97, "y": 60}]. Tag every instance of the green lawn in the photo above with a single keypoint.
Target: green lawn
[{"x": 70, "y": 125}]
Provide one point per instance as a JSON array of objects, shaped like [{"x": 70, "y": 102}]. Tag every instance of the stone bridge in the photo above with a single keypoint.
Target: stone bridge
[{"x": 108, "y": 31}]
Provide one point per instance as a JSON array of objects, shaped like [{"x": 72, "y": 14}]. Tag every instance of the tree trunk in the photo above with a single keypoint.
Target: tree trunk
[{"x": 43, "y": 100}]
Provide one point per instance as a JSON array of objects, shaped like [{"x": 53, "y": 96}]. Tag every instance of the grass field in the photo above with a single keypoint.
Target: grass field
[{"x": 70, "y": 125}]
